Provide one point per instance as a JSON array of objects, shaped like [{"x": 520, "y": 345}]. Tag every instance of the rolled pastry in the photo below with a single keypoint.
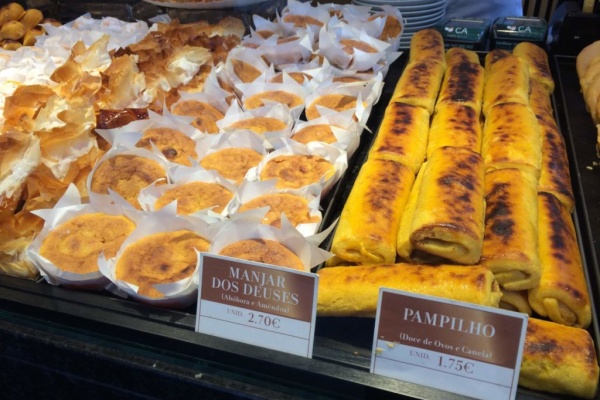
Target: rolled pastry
[
  {"x": 462, "y": 84},
  {"x": 455, "y": 55},
  {"x": 403, "y": 245},
  {"x": 512, "y": 139},
  {"x": 537, "y": 62},
  {"x": 402, "y": 135},
  {"x": 555, "y": 176},
  {"x": 419, "y": 84},
  {"x": 455, "y": 125},
  {"x": 510, "y": 241},
  {"x": 515, "y": 301},
  {"x": 562, "y": 294},
  {"x": 448, "y": 215},
  {"x": 354, "y": 291},
  {"x": 493, "y": 56},
  {"x": 559, "y": 359},
  {"x": 368, "y": 225},
  {"x": 427, "y": 45},
  {"x": 507, "y": 81}
]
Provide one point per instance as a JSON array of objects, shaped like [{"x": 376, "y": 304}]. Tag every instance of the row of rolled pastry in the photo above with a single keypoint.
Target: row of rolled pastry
[
  {"x": 443, "y": 220},
  {"x": 370, "y": 220},
  {"x": 530, "y": 243}
]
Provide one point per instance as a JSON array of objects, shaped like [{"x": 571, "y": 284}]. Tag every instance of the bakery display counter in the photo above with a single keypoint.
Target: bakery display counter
[{"x": 124, "y": 349}]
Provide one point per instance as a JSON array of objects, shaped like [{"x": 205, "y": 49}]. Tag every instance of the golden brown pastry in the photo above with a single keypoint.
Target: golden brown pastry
[
  {"x": 260, "y": 125},
  {"x": 537, "y": 61},
  {"x": 315, "y": 133},
  {"x": 419, "y": 84},
  {"x": 555, "y": 176},
  {"x": 246, "y": 72},
  {"x": 402, "y": 135},
  {"x": 334, "y": 101},
  {"x": 448, "y": 216},
  {"x": 206, "y": 115},
  {"x": 13, "y": 30},
  {"x": 261, "y": 99},
  {"x": 127, "y": 175},
  {"x": 403, "y": 246},
  {"x": 512, "y": 139},
  {"x": 507, "y": 81},
  {"x": 455, "y": 125},
  {"x": 293, "y": 206},
  {"x": 427, "y": 45},
  {"x": 301, "y": 21},
  {"x": 196, "y": 196},
  {"x": 354, "y": 291},
  {"x": 232, "y": 163},
  {"x": 562, "y": 293},
  {"x": 263, "y": 251},
  {"x": 74, "y": 246},
  {"x": 515, "y": 301},
  {"x": 369, "y": 222},
  {"x": 456, "y": 55},
  {"x": 510, "y": 242},
  {"x": 493, "y": 56},
  {"x": 176, "y": 146},
  {"x": 462, "y": 84},
  {"x": 296, "y": 170},
  {"x": 348, "y": 45},
  {"x": 559, "y": 359},
  {"x": 160, "y": 258}
]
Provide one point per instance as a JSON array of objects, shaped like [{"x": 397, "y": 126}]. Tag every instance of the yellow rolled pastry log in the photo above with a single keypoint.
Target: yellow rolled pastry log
[
  {"x": 512, "y": 139},
  {"x": 462, "y": 84},
  {"x": 559, "y": 359},
  {"x": 507, "y": 81},
  {"x": 493, "y": 56},
  {"x": 448, "y": 216},
  {"x": 403, "y": 246},
  {"x": 402, "y": 135},
  {"x": 562, "y": 294},
  {"x": 456, "y": 55},
  {"x": 368, "y": 225},
  {"x": 354, "y": 291},
  {"x": 510, "y": 241},
  {"x": 555, "y": 176},
  {"x": 428, "y": 45},
  {"x": 536, "y": 59},
  {"x": 419, "y": 84},
  {"x": 516, "y": 301},
  {"x": 455, "y": 125}
]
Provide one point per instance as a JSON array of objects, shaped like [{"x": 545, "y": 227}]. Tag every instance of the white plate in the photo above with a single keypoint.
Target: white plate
[
  {"x": 409, "y": 6},
  {"x": 210, "y": 4},
  {"x": 425, "y": 18}
]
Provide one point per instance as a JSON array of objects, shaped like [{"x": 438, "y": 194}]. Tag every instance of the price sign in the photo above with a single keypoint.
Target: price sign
[
  {"x": 458, "y": 347},
  {"x": 258, "y": 304}
]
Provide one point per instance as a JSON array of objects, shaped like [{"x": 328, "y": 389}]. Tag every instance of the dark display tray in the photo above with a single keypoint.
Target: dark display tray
[{"x": 101, "y": 325}]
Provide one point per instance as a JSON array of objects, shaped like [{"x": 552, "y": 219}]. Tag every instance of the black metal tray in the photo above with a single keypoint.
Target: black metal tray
[{"x": 342, "y": 350}]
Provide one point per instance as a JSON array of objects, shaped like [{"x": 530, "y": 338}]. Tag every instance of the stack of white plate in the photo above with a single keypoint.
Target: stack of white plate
[{"x": 417, "y": 14}]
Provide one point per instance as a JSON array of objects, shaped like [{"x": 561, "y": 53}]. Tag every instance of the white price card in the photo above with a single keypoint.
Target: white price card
[
  {"x": 259, "y": 304},
  {"x": 454, "y": 346}
]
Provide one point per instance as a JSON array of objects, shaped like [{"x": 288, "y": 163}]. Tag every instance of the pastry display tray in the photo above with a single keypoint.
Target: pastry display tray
[{"x": 342, "y": 350}]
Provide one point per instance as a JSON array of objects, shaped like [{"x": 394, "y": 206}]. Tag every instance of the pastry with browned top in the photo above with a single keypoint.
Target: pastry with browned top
[
  {"x": 232, "y": 163},
  {"x": 267, "y": 97},
  {"x": 196, "y": 196},
  {"x": 296, "y": 170},
  {"x": 315, "y": 133},
  {"x": 127, "y": 175},
  {"x": 161, "y": 258},
  {"x": 206, "y": 115},
  {"x": 263, "y": 251},
  {"x": 74, "y": 246},
  {"x": 293, "y": 206},
  {"x": 176, "y": 146}
]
